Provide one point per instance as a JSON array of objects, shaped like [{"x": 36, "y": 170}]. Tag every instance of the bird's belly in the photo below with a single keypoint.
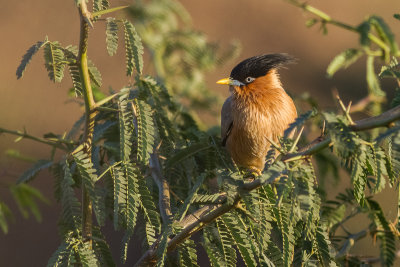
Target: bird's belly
[{"x": 248, "y": 142}]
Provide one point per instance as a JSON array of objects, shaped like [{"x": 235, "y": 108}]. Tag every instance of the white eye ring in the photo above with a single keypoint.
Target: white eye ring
[{"x": 249, "y": 79}]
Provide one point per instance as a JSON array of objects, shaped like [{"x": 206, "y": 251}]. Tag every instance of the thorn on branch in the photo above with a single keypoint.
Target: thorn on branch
[
  {"x": 86, "y": 15},
  {"x": 296, "y": 141},
  {"x": 346, "y": 110},
  {"x": 323, "y": 129},
  {"x": 275, "y": 145}
]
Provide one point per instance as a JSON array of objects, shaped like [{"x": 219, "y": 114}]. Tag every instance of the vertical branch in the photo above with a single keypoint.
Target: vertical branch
[
  {"x": 163, "y": 187},
  {"x": 159, "y": 179},
  {"x": 90, "y": 114}
]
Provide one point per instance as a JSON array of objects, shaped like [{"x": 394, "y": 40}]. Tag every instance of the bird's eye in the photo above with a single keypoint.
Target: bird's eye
[{"x": 249, "y": 79}]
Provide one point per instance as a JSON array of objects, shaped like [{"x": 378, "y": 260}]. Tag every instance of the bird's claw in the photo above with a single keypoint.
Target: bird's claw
[{"x": 252, "y": 172}]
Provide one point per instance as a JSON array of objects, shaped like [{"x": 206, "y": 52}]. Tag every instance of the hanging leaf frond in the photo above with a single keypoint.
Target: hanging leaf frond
[
  {"x": 343, "y": 60},
  {"x": 89, "y": 178},
  {"x": 111, "y": 36},
  {"x": 86, "y": 254},
  {"x": 54, "y": 61},
  {"x": 94, "y": 73},
  {"x": 71, "y": 53},
  {"x": 102, "y": 249},
  {"x": 384, "y": 233},
  {"x": 189, "y": 199},
  {"x": 145, "y": 130},
  {"x": 323, "y": 247},
  {"x": 28, "y": 56},
  {"x": 60, "y": 256},
  {"x": 236, "y": 229},
  {"x": 299, "y": 122},
  {"x": 188, "y": 254},
  {"x": 32, "y": 172},
  {"x": 227, "y": 244},
  {"x": 71, "y": 208},
  {"x": 100, "y": 5},
  {"x": 126, "y": 126},
  {"x": 134, "y": 49},
  {"x": 152, "y": 217}
]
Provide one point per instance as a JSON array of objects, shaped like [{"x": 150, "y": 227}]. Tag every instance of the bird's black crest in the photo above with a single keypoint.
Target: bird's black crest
[{"x": 259, "y": 66}]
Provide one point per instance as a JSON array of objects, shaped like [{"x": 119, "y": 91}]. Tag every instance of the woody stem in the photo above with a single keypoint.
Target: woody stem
[{"x": 90, "y": 114}]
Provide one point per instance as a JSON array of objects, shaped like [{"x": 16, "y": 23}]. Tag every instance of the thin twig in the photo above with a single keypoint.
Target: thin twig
[
  {"x": 361, "y": 105},
  {"x": 296, "y": 141},
  {"x": 275, "y": 145},
  {"x": 58, "y": 143},
  {"x": 345, "y": 110},
  {"x": 326, "y": 19}
]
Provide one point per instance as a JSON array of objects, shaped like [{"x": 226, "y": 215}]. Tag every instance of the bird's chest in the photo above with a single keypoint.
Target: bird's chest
[{"x": 254, "y": 123}]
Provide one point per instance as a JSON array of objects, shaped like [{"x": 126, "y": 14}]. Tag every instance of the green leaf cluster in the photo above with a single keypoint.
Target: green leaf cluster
[
  {"x": 181, "y": 56},
  {"x": 150, "y": 170}
]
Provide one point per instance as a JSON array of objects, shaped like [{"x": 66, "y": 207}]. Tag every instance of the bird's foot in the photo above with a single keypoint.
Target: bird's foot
[{"x": 252, "y": 172}]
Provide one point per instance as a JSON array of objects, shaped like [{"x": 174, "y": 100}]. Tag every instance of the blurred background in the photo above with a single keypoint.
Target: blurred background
[{"x": 39, "y": 106}]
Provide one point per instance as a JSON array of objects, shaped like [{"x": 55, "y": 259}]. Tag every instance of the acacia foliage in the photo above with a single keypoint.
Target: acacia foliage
[{"x": 142, "y": 138}]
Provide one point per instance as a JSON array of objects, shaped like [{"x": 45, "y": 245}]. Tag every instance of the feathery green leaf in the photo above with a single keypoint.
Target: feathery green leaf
[
  {"x": 146, "y": 132},
  {"x": 189, "y": 199},
  {"x": 151, "y": 215},
  {"x": 126, "y": 126},
  {"x": 32, "y": 172},
  {"x": 134, "y": 49},
  {"x": 28, "y": 57},
  {"x": 185, "y": 153},
  {"x": 71, "y": 53},
  {"x": 384, "y": 233},
  {"x": 60, "y": 255},
  {"x": 54, "y": 61},
  {"x": 87, "y": 256},
  {"x": 100, "y": 5},
  {"x": 227, "y": 243},
  {"x": 4, "y": 214},
  {"x": 323, "y": 243},
  {"x": 343, "y": 60},
  {"x": 94, "y": 74},
  {"x": 188, "y": 254},
  {"x": 25, "y": 196},
  {"x": 89, "y": 178},
  {"x": 71, "y": 208},
  {"x": 111, "y": 36},
  {"x": 384, "y": 33},
  {"x": 243, "y": 242},
  {"x": 300, "y": 120}
]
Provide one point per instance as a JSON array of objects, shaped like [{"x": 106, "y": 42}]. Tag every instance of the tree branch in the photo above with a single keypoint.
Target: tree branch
[
  {"x": 90, "y": 114},
  {"x": 163, "y": 187},
  {"x": 194, "y": 222},
  {"x": 383, "y": 120},
  {"x": 58, "y": 143}
]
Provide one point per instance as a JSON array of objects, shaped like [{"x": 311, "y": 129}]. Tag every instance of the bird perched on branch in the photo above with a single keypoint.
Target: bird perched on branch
[{"x": 258, "y": 109}]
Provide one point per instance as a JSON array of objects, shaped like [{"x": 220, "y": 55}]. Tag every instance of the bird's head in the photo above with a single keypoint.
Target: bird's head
[{"x": 251, "y": 69}]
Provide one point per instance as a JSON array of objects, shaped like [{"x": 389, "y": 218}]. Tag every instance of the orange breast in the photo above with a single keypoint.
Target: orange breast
[{"x": 261, "y": 111}]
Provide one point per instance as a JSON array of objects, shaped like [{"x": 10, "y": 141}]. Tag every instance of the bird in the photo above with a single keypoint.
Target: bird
[{"x": 258, "y": 109}]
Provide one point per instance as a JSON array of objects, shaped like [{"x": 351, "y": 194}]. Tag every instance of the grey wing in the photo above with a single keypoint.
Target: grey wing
[{"x": 226, "y": 120}]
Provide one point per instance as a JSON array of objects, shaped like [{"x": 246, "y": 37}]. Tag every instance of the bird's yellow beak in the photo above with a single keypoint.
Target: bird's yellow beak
[
  {"x": 230, "y": 81},
  {"x": 225, "y": 81}
]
